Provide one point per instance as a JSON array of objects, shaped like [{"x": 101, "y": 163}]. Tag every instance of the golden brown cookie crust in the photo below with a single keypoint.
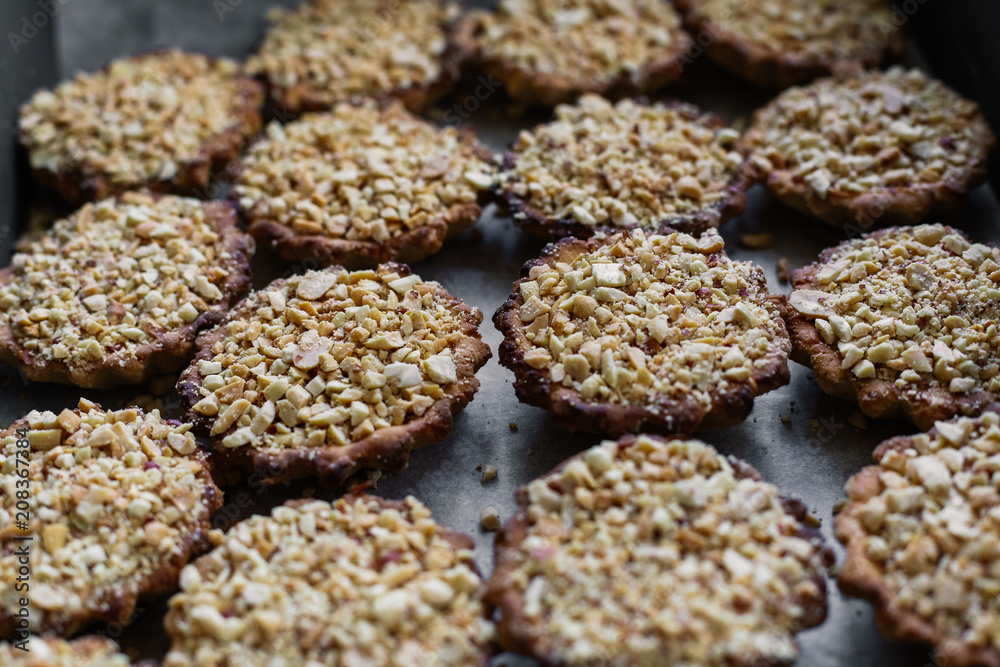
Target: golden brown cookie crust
[
  {"x": 334, "y": 457},
  {"x": 152, "y": 344},
  {"x": 732, "y": 381},
  {"x": 845, "y": 37},
  {"x": 872, "y": 150},
  {"x": 612, "y": 167},
  {"x": 124, "y": 478},
  {"x": 922, "y": 398},
  {"x": 654, "y": 24},
  {"x": 863, "y": 519},
  {"x": 394, "y": 546},
  {"x": 89, "y": 179},
  {"x": 537, "y": 502},
  {"x": 371, "y": 210},
  {"x": 362, "y": 53}
]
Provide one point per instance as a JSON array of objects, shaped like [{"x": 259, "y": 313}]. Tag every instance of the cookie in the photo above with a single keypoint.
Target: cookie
[
  {"x": 648, "y": 551},
  {"x": 330, "y": 372},
  {"x": 359, "y": 186},
  {"x": 546, "y": 52},
  {"x": 922, "y": 533},
  {"x": 363, "y": 581},
  {"x": 117, "y": 503},
  {"x": 162, "y": 120},
  {"x": 632, "y": 332},
  {"x": 903, "y": 321},
  {"x": 115, "y": 293},
  {"x": 782, "y": 43},
  {"x": 605, "y": 167},
  {"x": 91, "y": 651},
  {"x": 328, "y": 51},
  {"x": 878, "y": 149}
]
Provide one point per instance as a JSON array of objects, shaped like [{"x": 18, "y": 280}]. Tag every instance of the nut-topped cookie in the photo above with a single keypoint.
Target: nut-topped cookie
[
  {"x": 360, "y": 185},
  {"x": 604, "y": 167},
  {"x": 328, "y": 51},
  {"x": 632, "y": 332},
  {"x": 90, "y": 651},
  {"x": 922, "y": 532},
  {"x": 549, "y": 51},
  {"x": 648, "y": 551},
  {"x": 117, "y": 292},
  {"x": 902, "y": 320},
  {"x": 332, "y": 371},
  {"x": 117, "y": 503},
  {"x": 872, "y": 150},
  {"x": 161, "y": 120},
  {"x": 363, "y": 581},
  {"x": 781, "y": 43}
]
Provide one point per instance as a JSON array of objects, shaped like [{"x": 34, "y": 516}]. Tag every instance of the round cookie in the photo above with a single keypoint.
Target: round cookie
[
  {"x": 363, "y": 581},
  {"x": 161, "y": 120},
  {"x": 649, "y": 552},
  {"x": 877, "y": 149},
  {"x": 328, "y": 51},
  {"x": 631, "y": 332},
  {"x": 780, "y": 43},
  {"x": 902, "y": 320},
  {"x": 116, "y": 504},
  {"x": 89, "y": 651},
  {"x": 330, "y": 372},
  {"x": 604, "y": 167},
  {"x": 359, "y": 186},
  {"x": 922, "y": 532},
  {"x": 549, "y": 51},
  {"x": 116, "y": 293}
]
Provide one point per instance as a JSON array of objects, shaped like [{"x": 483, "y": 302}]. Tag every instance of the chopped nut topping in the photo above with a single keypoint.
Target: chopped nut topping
[
  {"x": 328, "y": 51},
  {"x": 143, "y": 119},
  {"x": 917, "y": 306},
  {"x": 591, "y": 44},
  {"x": 811, "y": 33},
  {"x": 89, "y": 651},
  {"x": 346, "y": 355},
  {"x": 658, "y": 552},
  {"x": 361, "y": 174},
  {"x": 624, "y": 165},
  {"x": 359, "y": 582},
  {"x": 928, "y": 516},
  {"x": 116, "y": 500},
  {"x": 892, "y": 129},
  {"x": 684, "y": 321},
  {"x": 119, "y": 280},
  {"x": 489, "y": 472}
]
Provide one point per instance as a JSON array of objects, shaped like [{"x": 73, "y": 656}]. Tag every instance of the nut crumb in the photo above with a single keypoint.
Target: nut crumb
[
  {"x": 489, "y": 472},
  {"x": 490, "y": 519},
  {"x": 858, "y": 421},
  {"x": 781, "y": 266},
  {"x": 757, "y": 241}
]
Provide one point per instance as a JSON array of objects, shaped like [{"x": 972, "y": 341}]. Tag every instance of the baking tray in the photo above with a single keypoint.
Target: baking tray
[{"x": 810, "y": 456}]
